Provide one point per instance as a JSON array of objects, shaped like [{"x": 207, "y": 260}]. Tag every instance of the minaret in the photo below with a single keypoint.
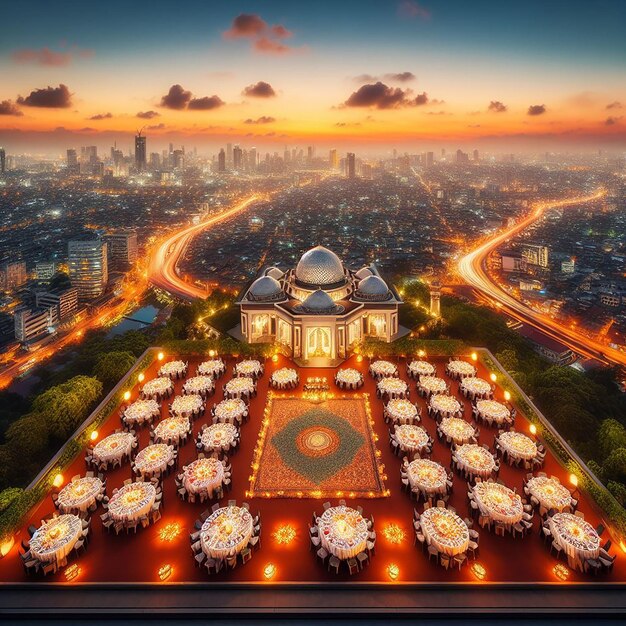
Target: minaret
[{"x": 435, "y": 297}]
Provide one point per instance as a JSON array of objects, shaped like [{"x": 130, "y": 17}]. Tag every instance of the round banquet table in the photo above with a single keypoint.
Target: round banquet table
[
  {"x": 132, "y": 501},
  {"x": 219, "y": 437},
  {"x": 517, "y": 445},
  {"x": 79, "y": 494},
  {"x": 199, "y": 385},
  {"x": 249, "y": 367},
  {"x": 493, "y": 411},
  {"x": 343, "y": 531},
  {"x": 427, "y": 476},
  {"x": 392, "y": 387},
  {"x": 460, "y": 369},
  {"x": 417, "y": 369},
  {"x": 445, "y": 405},
  {"x": 141, "y": 411},
  {"x": 284, "y": 378},
  {"x": 230, "y": 411},
  {"x": 445, "y": 530},
  {"x": 153, "y": 459},
  {"x": 172, "y": 429},
  {"x": 186, "y": 406},
  {"x": 475, "y": 459},
  {"x": 401, "y": 411},
  {"x": 157, "y": 388},
  {"x": 242, "y": 387},
  {"x": 577, "y": 537},
  {"x": 549, "y": 492},
  {"x": 213, "y": 368},
  {"x": 380, "y": 369},
  {"x": 411, "y": 438},
  {"x": 458, "y": 430},
  {"x": 498, "y": 502},
  {"x": 55, "y": 538},
  {"x": 173, "y": 369},
  {"x": 203, "y": 476},
  {"x": 476, "y": 387},
  {"x": 114, "y": 447},
  {"x": 432, "y": 385},
  {"x": 226, "y": 532},
  {"x": 349, "y": 378}
]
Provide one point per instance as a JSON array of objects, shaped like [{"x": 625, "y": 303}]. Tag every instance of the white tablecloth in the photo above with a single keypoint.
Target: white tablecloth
[
  {"x": 153, "y": 459},
  {"x": 457, "y": 429},
  {"x": 411, "y": 438},
  {"x": 460, "y": 369},
  {"x": 420, "y": 368},
  {"x": 141, "y": 411},
  {"x": 343, "y": 531},
  {"x": 518, "y": 445},
  {"x": 432, "y": 384},
  {"x": 393, "y": 387},
  {"x": 233, "y": 410},
  {"x": 113, "y": 447},
  {"x": 493, "y": 410},
  {"x": 173, "y": 368},
  {"x": 284, "y": 378},
  {"x": 80, "y": 494},
  {"x": 249, "y": 367},
  {"x": 218, "y": 436},
  {"x": 476, "y": 387},
  {"x": 132, "y": 501},
  {"x": 445, "y": 405},
  {"x": 157, "y": 388},
  {"x": 577, "y": 537},
  {"x": 187, "y": 405},
  {"x": 242, "y": 387},
  {"x": 550, "y": 493},
  {"x": 380, "y": 369},
  {"x": 445, "y": 530},
  {"x": 172, "y": 429},
  {"x": 428, "y": 476},
  {"x": 203, "y": 476},
  {"x": 401, "y": 411},
  {"x": 226, "y": 532},
  {"x": 349, "y": 378},
  {"x": 198, "y": 385},
  {"x": 475, "y": 459},
  {"x": 213, "y": 367},
  {"x": 54, "y": 540},
  {"x": 498, "y": 502}
]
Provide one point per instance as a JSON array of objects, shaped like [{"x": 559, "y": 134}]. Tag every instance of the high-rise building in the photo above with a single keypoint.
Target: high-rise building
[
  {"x": 72, "y": 162},
  {"x": 535, "y": 254},
  {"x": 310, "y": 153},
  {"x": 430, "y": 159},
  {"x": 122, "y": 248},
  {"x": 229, "y": 154},
  {"x": 34, "y": 323},
  {"x": 3, "y": 161},
  {"x": 140, "y": 152},
  {"x": 12, "y": 275},
  {"x": 88, "y": 266},
  {"x": 237, "y": 155},
  {"x": 178, "y": 159},
  {"x": 476, "y": 156},
  {"x": 65, "y": 302},
  {"x": 252, "y": 160},
  {"x": 351, "y": 165},
  {"x": 45, "y": 270},
  {"x": 155, "y": 160},
  {"x": 221, "y": 161},
  {"x": 333, "y": 159}
]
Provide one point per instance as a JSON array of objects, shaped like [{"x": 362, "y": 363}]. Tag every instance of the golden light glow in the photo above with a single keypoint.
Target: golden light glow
[
  {"x": 269, "y": 570},
  {"x": 533, "y": 429},
  {"x": 493, "y": 377},
  {"x": 394, "y": 534},
  {"x": 141, "y": 377},
  {"x": 58, "y": 480},
  {"x": 160, "y": 356},
  {"x": 165, "y": 571},
  {"x": 72, "y": 572},
  {"x": 170, "y": 531},
  {"x": 285, "y": 534},
  {"x": 275, "y": 358},
  {"x": 573, "y": 479},
  {"x": 421, "y": 353},
  {"x": 359, "y": 358},
  {"x": 507, "y": 395},
  {"x": 393, "y": 571},
  {"x": 474, "y": 356},
  {"x": 479, "y": 571},
  {"x": 94, "y": 435},
  {"x": 127, "y": 396},
  {"x": 622, "y": 545},
  {"x": 211, "y": 353},
  {"x": 561, "y": 572},
  {"x": 6, "y": 545}
]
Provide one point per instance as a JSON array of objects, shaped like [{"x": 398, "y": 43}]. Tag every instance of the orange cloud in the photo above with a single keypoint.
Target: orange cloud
[
  {"x": 259, "y": 90},
  {"x": 536, "y": 109},
  {"x": 48, "y": 57},
  {"x": 264, "y": 38},
  {"x": 48, "y": 98},
  {"x": 9, "y": 108}
]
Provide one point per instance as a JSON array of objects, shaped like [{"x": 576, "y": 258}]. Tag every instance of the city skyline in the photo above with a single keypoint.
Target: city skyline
[{"x": 403, "y": 74}]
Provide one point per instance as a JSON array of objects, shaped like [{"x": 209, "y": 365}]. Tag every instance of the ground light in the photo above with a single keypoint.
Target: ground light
[
  {"x": 72, "y": 572},
  {"x": 493, "y": 377},
  {"x": 269, "y": 570},
  {"x": 507, "y": 395},
  {"x": 94, "y": 435},
  {"x": 393, "y": 533},
  {"x": 573, "y": 480},
  {"x": 160, "y": 356},
  {"x": 169, "y": 532},
  {"x": 393, "y": 571},
  {"x": 141, "y": 377},
  {"x": 58, "y": 480},
  {"x": 479, "y": 571},
  {"x": 165, "y": 571},
  {"x": 561, "y": 572},
  {"x": 275, "y": 358},
  {"x": 474, "y": 356},
  {"x": 533, "y": 429},
  {"x": 6, "y": 545},
  {"x": 285, "y": 534}
]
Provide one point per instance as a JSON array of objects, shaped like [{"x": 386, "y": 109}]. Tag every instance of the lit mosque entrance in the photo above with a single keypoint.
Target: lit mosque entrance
[{"x": 318, "y": 342}]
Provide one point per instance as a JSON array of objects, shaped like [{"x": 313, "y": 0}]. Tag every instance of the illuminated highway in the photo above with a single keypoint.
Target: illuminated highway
[
  {"x": 472, "y": 269},
  {"x": 162, "y": 271}
]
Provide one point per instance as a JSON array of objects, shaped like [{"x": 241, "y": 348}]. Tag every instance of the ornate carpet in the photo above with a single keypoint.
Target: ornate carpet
[{"x": 313, "y": 449}]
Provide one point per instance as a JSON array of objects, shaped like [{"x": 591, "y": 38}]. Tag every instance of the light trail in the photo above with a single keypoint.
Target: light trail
[{"x": 472, "y": 269}]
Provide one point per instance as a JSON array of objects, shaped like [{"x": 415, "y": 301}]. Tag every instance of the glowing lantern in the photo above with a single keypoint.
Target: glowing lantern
[
  {"x": 94, "y": 435},
  {"x": 493, "y": 377},
  {"x": 58, "y": 480},
  {"x": 127, "y": 396},
  {"x": 393, "y": 571},
  {"x": 474, "y": 356},
  {"x": 269, "y": 570},
  {"x": 72, "y": 572},
  {"x": 478, "y": 570},
  {"x": 160, "y": 356},
  {"x": 421, "y": 353},
  {"x": 5, "y": 545},
  {"x": 141, "y": 377},
  {"x": 211, "y": 353},
  {"x": 533, "y": 429},
  {"x": 165, "y": 571},
  {"x": 573, "y": 479},
  {"x": 359, "y": 358},
  {"x": 393, "y": 533},
  {"x": 169, "y": 532},
  {"x": 507, "y": 395},
  {"x": 561, "y": 572},
  {"x": 275, "y": 358},
  {"x": 285, "y": 534}
]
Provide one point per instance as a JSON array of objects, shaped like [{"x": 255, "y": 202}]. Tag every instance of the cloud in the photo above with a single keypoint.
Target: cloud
[
  {"x": 48, "y": 98},
  {"x": 421, "y": 98},
  {"x": 379, "y": 96},
  {"x": 611, "y": 121},
  {"x": 614, "y": 105},
  {"x": 259, "y": 90},
  {"x": 156, "y": 126},
  {"x": 101, "y": 116},
  {"x": 536, "y": 109},
  {"x": 264, "y": 38},
  {"x": 9, "y": 108},
  {"x": 264, "y": 119},
  {"x": 48, "y": 57},
  {"x": 147, "y": 115},
  {"x": 347, "y": 124},
  {"x": 176, "y": 98},
  {"x": 413, "y": 10},
  {"x": 401, "y": 77},
  {"x": 495, "y": 106},
  {"x": 205, "y": 104}
]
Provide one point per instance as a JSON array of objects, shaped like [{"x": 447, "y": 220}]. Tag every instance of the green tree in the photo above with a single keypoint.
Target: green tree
[
  {"x": 111, "y": 366},
  {"x": 614, "y": 466},
  {"x": 611, "y": 435},
  {"x": 618, "y": 490},
  {"x": 508, "y": 359},
  {"x": 8, "y": 495}
]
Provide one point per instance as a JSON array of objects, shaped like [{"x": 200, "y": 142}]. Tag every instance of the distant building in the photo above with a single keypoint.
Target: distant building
[
  {"x": 88, "y": 266},
  {"x": 122, "y": 248},
  {"x": 73, "y": 167},
  {"x": 568, "y": 267},
  {"x": 430, "y": 159},
  {"x": 535, "y": 254},
  {"x": 221, "y": 161},
  {"x": 333, "y": 159},
  {"x": 513, "y": 261},
  {"x": 435, "y": 298},
  {"x": 3, "y": 161},
  {"x": 12, "y": 275},
  {"x": 237, "y": 157},
  {"x": 45, "y": 270},
  {"x": 65, "y": 302},
  {"x": 33, "y": 323},
  {"x": 140, "y": 152},
  {"x": 351, "y": 165},
  {"x": 551, "y": 349}
]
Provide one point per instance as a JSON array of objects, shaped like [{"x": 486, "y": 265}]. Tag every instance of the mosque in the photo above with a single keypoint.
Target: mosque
[{"x": 320, "y": 309}]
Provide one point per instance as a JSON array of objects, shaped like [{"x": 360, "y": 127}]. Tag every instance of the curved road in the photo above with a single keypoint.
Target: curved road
[
  {"x": 162, "y": 268},
  {"x": 472, "y": 268}
]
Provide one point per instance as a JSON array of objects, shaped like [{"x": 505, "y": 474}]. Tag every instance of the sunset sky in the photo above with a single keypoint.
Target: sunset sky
[{"x": 498, "y": 75}]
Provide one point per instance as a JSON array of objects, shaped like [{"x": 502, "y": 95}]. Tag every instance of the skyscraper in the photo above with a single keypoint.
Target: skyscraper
[
  {"x": 72, "y": 162},
  {"x": 237, "y": 154},
  {"x": 351, "y": 165},
  {"x": 333, "y": 160},
  {"x": 121, "y": 248},
  {"x": 87, "y": 262},
  {"x": 229, "y": 154},
  {"x": 140, "y": 151},
  {"x": 221, "y": 161},
  {"x": 3, "y": 160}
]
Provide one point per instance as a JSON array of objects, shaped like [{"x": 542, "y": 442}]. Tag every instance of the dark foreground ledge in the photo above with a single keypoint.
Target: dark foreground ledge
[{"x": 232, "y": 600}]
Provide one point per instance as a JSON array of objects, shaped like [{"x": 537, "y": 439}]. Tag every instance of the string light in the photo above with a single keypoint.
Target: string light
[
  {"x": 285, "y": 534},
  {"x": 394, "y": 534},
  {"x": 169, "y": 532}
]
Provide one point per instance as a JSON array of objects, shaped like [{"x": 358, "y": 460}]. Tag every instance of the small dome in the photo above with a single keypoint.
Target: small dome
[
  {"x": 274, "y": 272},
  {"x": 320, "y": 266},
  {"x": 364, "y": 272},
  {"x": 320, "y": 302},
  {"x": 372, "y": 288},
  {"x": 265, "y": 288}
]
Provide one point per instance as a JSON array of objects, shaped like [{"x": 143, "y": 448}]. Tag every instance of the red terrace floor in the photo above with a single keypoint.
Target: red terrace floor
[{"x": 136, "y": 558}]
